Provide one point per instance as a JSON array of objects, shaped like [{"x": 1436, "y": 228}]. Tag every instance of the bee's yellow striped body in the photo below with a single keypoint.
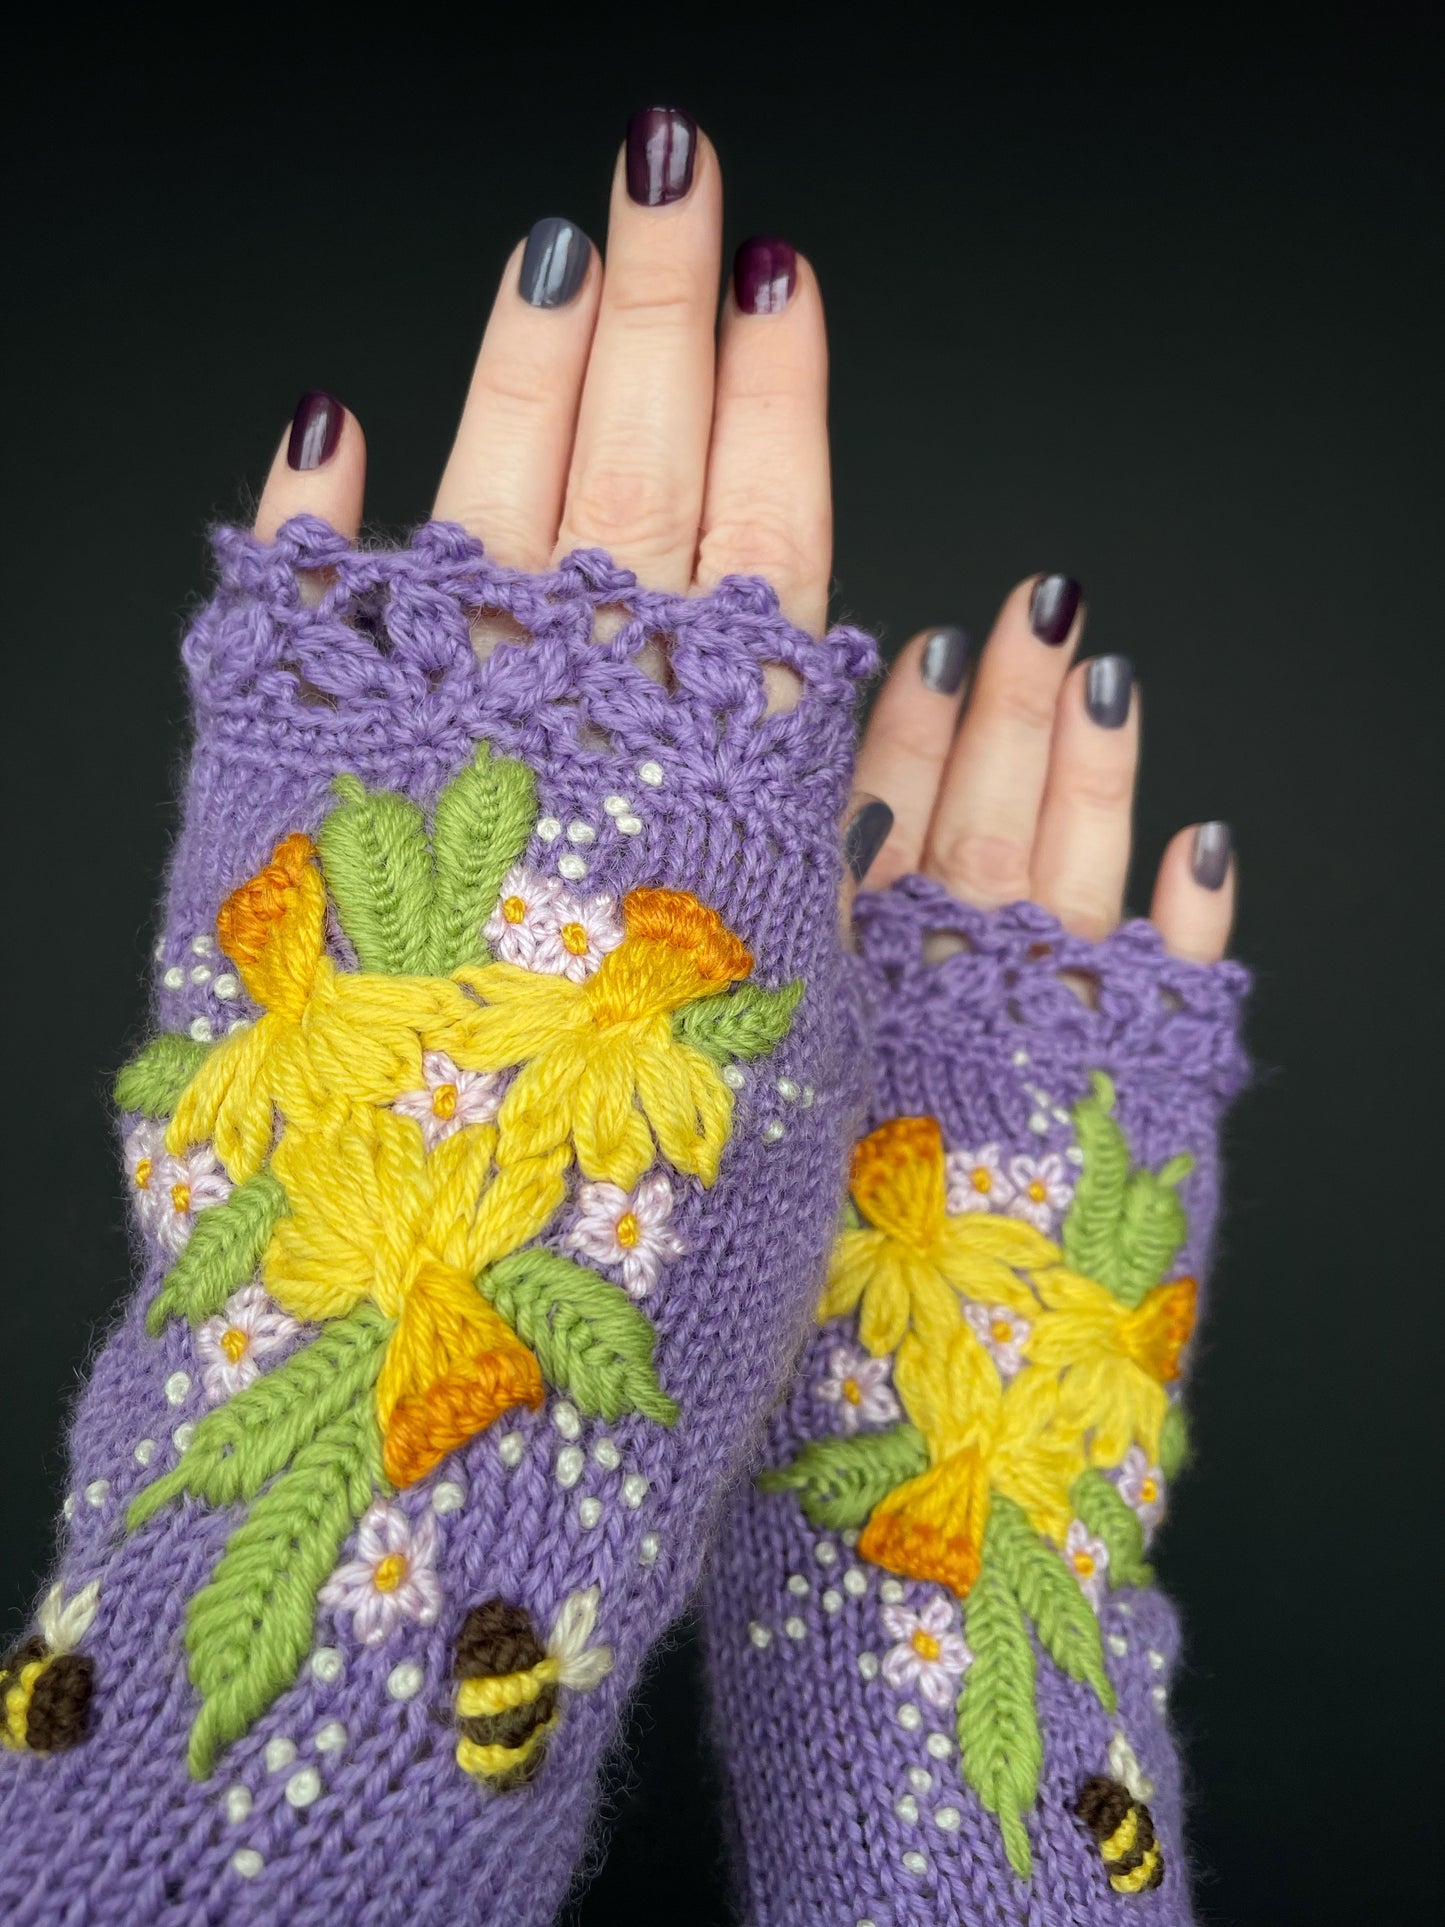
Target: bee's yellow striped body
[
  {"x": 44, "y": 1698},
  {"x": 506, "y": 1695},
  {"x": 1123, "y": 1831}
]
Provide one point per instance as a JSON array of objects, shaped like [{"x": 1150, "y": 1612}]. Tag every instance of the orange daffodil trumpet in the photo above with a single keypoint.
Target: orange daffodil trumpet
[{"x": 398, "y": 1136}]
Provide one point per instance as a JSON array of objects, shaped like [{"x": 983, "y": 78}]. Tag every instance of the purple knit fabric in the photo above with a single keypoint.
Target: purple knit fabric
[
  {"x": 379, "y": 677},
  {"x": 835, "y": 1774}
]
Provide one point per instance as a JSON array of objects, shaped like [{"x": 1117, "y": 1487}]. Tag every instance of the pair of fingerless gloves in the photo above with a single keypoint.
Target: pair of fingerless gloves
[{"x": 539, "y": 1211}]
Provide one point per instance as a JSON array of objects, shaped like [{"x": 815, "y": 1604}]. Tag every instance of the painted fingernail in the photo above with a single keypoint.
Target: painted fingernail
[
  {"x": 765, "y": 273},
  {"x": 661, "y": 150},
  {"x": 944, "y": 659},
  {"x": 865, "y": 837},
  {"x": 554, "y": 263},
  {"x": 1053, "y": 606},
  {"x": 1209, "y": 860},
  {"x": 315, "y": 430},
  {"x": 1107, "y": 688}
]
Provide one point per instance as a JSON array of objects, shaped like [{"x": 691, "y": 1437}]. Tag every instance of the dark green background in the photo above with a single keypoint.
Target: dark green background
[{"x": 1161, "y": 308}]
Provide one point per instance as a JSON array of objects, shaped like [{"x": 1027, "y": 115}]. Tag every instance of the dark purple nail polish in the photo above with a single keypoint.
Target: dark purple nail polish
[
  {"x": 315, "y": 430},
  {"x": 1108, "y": 685},
  {"x": 1053, "y": 606},
  {"x": 944, "y": 660},
  {"x": 765, "y": 273},
  {"x": 661, "y": 150},
  {"x": 1210, "y": 858},
  {"x": 865, "y": 837}
]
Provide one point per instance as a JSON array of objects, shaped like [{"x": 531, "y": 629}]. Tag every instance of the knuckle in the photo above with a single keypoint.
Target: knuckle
[
  {"x": 765, "y": 545},
  {"x": 665, "y": 296},
  {"x": 1084, "y": 917},
  {"x": 516, "y": 385},
  {"x": 1022, "y": 703},
  {"x": 990, "y": 868},
  {"x": 632, "y": 506},
  {"x": 1102, "y": 788}
]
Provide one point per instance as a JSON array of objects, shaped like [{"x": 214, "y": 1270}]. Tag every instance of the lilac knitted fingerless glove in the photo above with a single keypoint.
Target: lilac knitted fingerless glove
[
  {"x": 939, "y": 1664},
  {"x": 484, "y": 1160}
]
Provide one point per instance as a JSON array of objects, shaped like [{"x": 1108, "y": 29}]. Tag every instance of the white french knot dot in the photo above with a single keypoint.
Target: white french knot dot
[
  {"x": 868, "y": 1665},
  {"x": 145, "y": 1451},
  {"x": 761, "y": 1636},
  {"x": 832, "y": 1601},
  {"x": 97, "y": 1492},
  {"x": 616, "y": 805},
  {"x": 652, "y": 774},
  {"x": 203, "y": 945},
  {"x": 891, "y": 1593},
  {"x": 909, "y": 1716},
  {"x": 939, "y": 1745},
  {"x": 404, "y": 1682},
  {"x": 247, "y": 1862},
  {"x": 580, "y": 832},
  {"x": 201, "y": 974},
  {"x": 238, "y": 1804},
  {"x": 949, "y": 1818},
  {"x": 920, "y": 1779},
  {"x": 565, "y": 1418},
  {"x": 634, "y": 1489},
  {"x": 303, "y": 1788},
  {"x": 733, "y": 1077},
  {"x": 906, "y": 1808},
  {"x": 182, "y": 1436},
  {"x": 607, "y": 1455},
  {"x": 510, "y": 1448},
  {"x": 774, "y": 1131},
  {"x": 795, "y": 1628},
  {"x": 331, "y": 1737},
  {"x": 226, "y": 985},
  {"x": 548, "y": 828},
  {"x": 572, "y": 867},
  {"x": 798, "y": 1584},
  {"x": 629, "y": 825},
  {"x": 178, "y": 1388},
  {"x": 649, "y": 1548},
  {"x": 590, "y": 1511},
  {"x": 448, "y": 1497},
  {"x": 915, "y": 1863},
  {"x": 327, "y": 1664},
  {"x": 201, "y": 1031},
  {"x": 569, "y": 1466},
  {"x": 68, "y": 1507},
  {"x": 174, "y": 978},
  {"x": 279, "y": 1754}
]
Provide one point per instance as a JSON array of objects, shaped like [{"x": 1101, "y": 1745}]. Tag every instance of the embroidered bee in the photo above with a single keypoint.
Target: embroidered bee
[
  {"x": 1123, "y": 1831},
  {"x": 509, "y": 1684},
  {"x": 45, "y": 1685}
]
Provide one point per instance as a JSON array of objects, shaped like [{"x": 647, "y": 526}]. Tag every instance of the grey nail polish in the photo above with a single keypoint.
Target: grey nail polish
[
  {"x": 554, "y": 263},
  {"x": 865, "y": 837},
  {"x": 1209, "y": 860},
  {"x": 945, "y": 657},
  {"x": 1053, "y": 606},
  {"x": 1107, "y": 687}
]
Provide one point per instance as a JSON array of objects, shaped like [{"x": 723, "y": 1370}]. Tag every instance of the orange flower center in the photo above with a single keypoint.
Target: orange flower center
[
  {"x": 1002, "y": 1331},
  {"x": 389, "y": 1572},
  {"x": 574, "y": 939},
  {"x": 852, "y": 1391},
  {"x": 1084, "y": 1564},
  {"x": 180, "y": 1199},
  {"x": 514, "y": 909},
  {"x": 925, "y": 1645},
  {"x": 234, "y": 1343},
  {"x": 444, "y": 1101},
  {"x": 1148, "y": 1490},
  {"x": 1038, "y": 1191},
  {"x": 981, "y": 1178},
  {"x": 143, "y": 1173},
  {"x": 628, "y": 1230}
]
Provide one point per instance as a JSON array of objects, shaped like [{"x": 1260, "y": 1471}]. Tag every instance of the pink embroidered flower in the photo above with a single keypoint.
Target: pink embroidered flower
[
  {"x": 512, "y": 928},
  {"x": 628, "y": 1228},
  {"x": 929, "y": 1651},
  {"x": 1087, "y": 1559},
  {"x": 184, "y": 1187},
  {"x": 575, "y": 934},
  {"x": 1002, "y": 1333},
  {"x": 250, "y": 1328},
  {"x": 858, "y": 1385},
  {"x": 145, "y": 1155},
  {"x": 976, "y": 1180},
  {"x": 1041, "y": 1189},
  {"x": 393, "y": 1576},
  {"x": 450, "y": 1099},
  {"x": 1141, "y": 1486}
]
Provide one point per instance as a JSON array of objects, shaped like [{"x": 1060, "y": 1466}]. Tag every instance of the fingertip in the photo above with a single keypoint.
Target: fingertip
[
  {"x": 319, "y": 468},
  {"x": 1194, "y": 897}
]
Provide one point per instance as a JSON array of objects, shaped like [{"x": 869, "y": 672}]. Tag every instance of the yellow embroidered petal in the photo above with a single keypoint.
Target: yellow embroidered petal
[
  {"x": 934, "y": 1310},
  {"x": 1037, "y": 1473},
  {"x": 856, "y": 1258},
  {"x": 884, "y": 1317},
  {"x": 537, "y": 1112},
  {"x": 932, "y": 1527},
  {"x": 950, "y": 1392},
  {"x": 609, "y": 1132},
  {"x": 229, "y": 1100},
  {"x": 514, "y": 1208},
  {"x": 1009, "y": 1239},
  {"x": 687, "y": 1104},
  {"x": 522, "y": 1015}
]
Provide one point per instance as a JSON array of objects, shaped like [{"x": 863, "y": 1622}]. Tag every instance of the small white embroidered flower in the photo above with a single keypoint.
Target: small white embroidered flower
[
  {"x": 1087, "y": 1559},
  {"x": 228, "y": 1346},
  {"x": 1041, "y": 1189},
  {"x": 1003, "y": 1335},
  {"x": 145, "y": 1153},
  {"x": 1141, "y": 1486},
  {"x": 858, "y": 1385},
  {"x": 185, "y": 1186},
  {"x": 451, "y": 1098},
  {"x": 977, "y": 1180},
  {"x": 628, "y": 1228},
  {"x": 393, "y": 1576},
  {"x": 929, "y": 1651},
  {"x": 512, "y": 928},
  {"x": 575, "y": 933}
]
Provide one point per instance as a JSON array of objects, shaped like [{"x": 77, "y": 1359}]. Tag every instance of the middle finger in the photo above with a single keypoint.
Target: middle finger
[{"x": 640, "y": 456}]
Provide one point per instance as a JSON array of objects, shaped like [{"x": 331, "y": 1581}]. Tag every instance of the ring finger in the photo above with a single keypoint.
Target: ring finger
[{"x": 1081, "y": 854}]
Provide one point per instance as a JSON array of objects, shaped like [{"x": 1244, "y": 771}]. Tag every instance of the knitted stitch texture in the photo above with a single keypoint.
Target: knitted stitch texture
[
  {"x": 378, "y": 1502},
  {"x": 939, "y": 1669}
]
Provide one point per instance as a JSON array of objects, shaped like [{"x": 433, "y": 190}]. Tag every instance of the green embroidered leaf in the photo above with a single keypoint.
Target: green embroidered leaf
[
  {"x": 152, "y": 1083},
  {"x": 1064, "y": 1620},
  {"x": 1096, "y": 1500},
  {"x": 250, "y": 1438},
  {"x": 1174, "y": 1441},
  {"x": 745, "y": 1022},
  {"x": 839, "y": 1481},
  {"x": 378, "y": 869},
  {"x": 483, "y": 819},
  {"x": 250, "y": 1628},
  {"x": 591, "y": 1341},
  {"x": 1121, "y": 1229},
  {"x": 998, "y": 1729},
  {"x": 227, "y": 1244}
]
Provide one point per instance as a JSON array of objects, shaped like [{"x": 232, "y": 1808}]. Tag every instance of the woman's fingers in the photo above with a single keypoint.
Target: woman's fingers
[
  {"x": 507, "y": 472},
  {"x": 1081, "y": 853},
  {"x": 1193, "y": 907},
  {"x": 319, "y": 469},
  {"x": 768, "y": 506},
  {"x": 906, "y": 744},
  {"x": 981, "y": 838},
  {"x": 636, "y": 481}
]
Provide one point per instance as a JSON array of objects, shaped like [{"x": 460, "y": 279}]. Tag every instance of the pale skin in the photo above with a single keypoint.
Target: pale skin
[{"x": 625, "y": 417}]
